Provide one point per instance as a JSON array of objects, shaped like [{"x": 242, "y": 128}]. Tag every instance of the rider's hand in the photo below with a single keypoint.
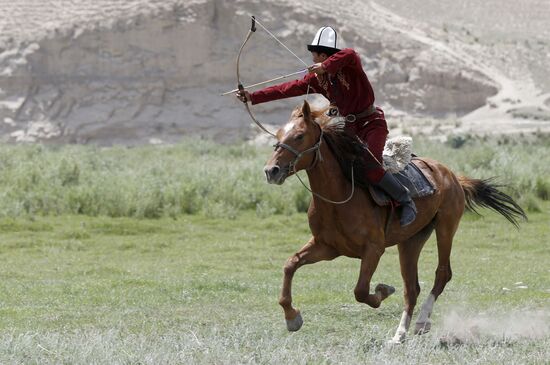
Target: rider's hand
[
  {"x": 243, "y": 96},
  {"x": 316, "y": 68}
]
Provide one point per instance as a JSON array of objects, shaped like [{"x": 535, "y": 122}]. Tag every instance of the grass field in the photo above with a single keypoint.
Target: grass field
[
  {"x": 110, "y": 286},
  {"x": 88, "y": 290}
]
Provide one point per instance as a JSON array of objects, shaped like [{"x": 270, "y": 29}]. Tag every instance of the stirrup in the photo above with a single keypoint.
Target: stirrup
[{"x": 412, "y": 208}]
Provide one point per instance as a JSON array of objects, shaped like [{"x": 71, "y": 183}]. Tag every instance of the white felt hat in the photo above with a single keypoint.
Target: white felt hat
[{"x": 326, "y": 40}]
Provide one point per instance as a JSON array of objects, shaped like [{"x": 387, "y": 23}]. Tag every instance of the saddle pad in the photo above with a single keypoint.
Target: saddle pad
[{"x": 412, "y": 178}]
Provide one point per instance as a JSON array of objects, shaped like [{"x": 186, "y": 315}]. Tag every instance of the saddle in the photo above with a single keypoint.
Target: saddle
[
  {"x": 399, "y": 161},
  {"x": 412, "y": 178}
]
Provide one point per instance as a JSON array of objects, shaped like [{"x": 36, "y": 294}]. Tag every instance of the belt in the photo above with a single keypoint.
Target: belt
[{"x": 351, "y": 118}]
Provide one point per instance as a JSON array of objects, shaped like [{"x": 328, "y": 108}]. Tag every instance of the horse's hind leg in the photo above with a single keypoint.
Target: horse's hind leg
[
  {"x": 312, "y": 252},
  {"x": 445, "y": 229},
  {"x": 409, "y": 251}
]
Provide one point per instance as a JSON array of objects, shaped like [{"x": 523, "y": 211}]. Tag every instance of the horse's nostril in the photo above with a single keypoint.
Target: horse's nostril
[{"x": 271, "y": 172}]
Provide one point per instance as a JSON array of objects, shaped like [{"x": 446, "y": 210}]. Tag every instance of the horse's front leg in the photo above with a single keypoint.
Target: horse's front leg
[
  {"x": 369, "y": 262},
  {"x": 312, "y": 252}
]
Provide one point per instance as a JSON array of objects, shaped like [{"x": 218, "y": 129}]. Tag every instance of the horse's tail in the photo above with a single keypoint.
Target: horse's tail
[{"x": 486, "y": 194}]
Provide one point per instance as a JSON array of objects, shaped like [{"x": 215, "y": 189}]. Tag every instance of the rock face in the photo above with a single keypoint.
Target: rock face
[{"x": 156, "y": 75}]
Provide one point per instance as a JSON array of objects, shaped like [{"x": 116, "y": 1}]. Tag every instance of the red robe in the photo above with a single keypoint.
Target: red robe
[{"x": 345, "y": 85}]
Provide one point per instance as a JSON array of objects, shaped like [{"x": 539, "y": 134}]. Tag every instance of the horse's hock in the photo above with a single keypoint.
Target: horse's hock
[{"x": 157, "y": 75}]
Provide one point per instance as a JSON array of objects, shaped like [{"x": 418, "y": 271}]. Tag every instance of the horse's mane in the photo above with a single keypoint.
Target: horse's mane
[{"x": 346, "y": 148}]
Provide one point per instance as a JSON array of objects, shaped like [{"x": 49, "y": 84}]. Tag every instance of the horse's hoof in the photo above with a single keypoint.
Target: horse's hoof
[
  {"x": 295, "y": 324},
  {"x": 398, "y": 339},
  {"x": 385, "y": 290},
  {"x": 395, "y": 342},
  {"x": 421, "y": 328}
]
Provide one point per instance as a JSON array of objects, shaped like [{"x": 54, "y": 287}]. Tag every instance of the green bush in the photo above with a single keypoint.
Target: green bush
[
  {"x": 542, "y": 188},
  {"x": 530, "y": 203},
  {"x": 458, "y": 141},
  {"x": 202, "y": 177}
]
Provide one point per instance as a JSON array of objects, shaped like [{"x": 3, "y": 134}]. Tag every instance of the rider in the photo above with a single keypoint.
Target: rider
[{"x": 338, "y": 75}]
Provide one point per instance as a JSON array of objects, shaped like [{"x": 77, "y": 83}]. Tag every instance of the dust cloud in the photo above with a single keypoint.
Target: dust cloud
[{"x": 463, "y": 326}]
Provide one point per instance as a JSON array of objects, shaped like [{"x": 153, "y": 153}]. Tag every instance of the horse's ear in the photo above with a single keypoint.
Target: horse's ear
[{"x": 306, "y": 111}]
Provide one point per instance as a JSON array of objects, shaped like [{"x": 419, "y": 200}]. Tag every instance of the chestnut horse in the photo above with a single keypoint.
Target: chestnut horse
[{"x": 361, "y": 229}]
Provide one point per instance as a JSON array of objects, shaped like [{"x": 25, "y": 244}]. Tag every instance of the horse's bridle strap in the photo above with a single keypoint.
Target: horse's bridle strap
[
  {"x": 288, "y": 148},
  {"x": 315, "y": 148}
]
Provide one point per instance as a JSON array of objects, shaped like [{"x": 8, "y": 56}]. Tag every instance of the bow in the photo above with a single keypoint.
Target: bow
[{"x": 240, "y": 85}]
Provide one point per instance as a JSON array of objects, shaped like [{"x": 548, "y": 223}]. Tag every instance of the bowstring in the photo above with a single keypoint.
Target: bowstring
[
  {"x": 281, "y": 43},
  {"x": 288, "y": 49}
]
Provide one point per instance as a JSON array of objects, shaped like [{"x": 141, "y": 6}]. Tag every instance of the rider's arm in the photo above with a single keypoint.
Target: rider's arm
[{"x": 284, "y": 90}]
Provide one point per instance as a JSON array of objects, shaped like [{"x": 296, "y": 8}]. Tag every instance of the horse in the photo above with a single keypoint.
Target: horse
[{"x": 359, "y": 228}]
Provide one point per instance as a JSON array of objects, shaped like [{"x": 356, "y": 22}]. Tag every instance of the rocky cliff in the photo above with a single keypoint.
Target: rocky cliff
[{"x": 153, "y": 72}]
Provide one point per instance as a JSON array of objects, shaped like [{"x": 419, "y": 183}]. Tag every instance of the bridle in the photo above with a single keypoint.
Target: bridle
[
  {"x": 298, "y": 155},
  {"x": 316, "y": 148}
]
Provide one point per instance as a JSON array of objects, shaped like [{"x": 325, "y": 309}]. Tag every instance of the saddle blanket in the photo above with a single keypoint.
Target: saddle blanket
[{"x": 412, "y": 178}]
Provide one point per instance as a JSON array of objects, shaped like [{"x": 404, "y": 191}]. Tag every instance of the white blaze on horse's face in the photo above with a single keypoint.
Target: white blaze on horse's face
[
  {"x": 294, "y": 126},
  {"x": 288, "y": 127}
]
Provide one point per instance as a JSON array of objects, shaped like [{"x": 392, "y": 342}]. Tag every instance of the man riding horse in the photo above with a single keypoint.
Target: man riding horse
[{"x": 339, "y": 76}]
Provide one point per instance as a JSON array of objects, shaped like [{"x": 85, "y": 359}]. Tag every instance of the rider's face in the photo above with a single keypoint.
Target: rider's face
[{"x": 318, "y": 57}]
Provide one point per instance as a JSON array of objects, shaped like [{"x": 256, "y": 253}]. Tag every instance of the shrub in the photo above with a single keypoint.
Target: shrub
[
  {"x": 542, "y": 188},
  {"x": 530, "y": 203},
  {"x": 202, "y": 177},
  {"x": 457, "y": 141}
]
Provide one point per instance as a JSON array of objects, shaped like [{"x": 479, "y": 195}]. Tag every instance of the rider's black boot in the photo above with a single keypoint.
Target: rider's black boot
[{"x": 400, "y": 194}]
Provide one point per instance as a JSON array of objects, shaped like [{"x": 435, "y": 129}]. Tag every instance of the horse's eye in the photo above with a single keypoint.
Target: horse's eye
[{"x": 299, "y": 137}]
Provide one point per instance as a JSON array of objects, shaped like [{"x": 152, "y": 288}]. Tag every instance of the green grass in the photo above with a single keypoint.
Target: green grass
[
  {"x": 77, "y": 289},
  {"x": 216, "y": 181},
  {"x": 174, "y": 254}
]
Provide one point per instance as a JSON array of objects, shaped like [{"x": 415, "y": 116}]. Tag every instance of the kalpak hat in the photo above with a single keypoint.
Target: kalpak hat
[{"x": 325, "y": 41}]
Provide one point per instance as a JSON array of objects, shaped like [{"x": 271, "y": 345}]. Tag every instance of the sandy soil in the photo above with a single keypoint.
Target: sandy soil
[{"x": 140, "y": 71}]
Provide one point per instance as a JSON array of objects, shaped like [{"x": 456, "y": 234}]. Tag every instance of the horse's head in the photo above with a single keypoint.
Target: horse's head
[{"x": 297, "y": 146}]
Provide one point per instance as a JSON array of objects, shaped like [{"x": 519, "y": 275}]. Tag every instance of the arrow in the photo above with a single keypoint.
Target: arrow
[{"x": 265, "y": 82}]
